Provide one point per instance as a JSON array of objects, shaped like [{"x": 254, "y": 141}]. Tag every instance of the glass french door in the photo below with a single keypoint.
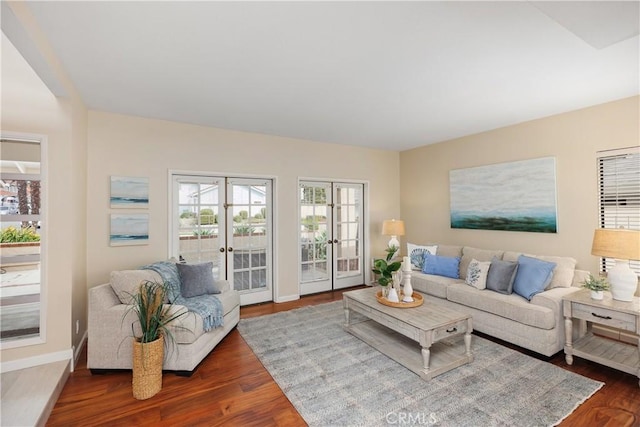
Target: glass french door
[
  {"x": 226, "y": 221},
  {"x": 331, "y": 236}
]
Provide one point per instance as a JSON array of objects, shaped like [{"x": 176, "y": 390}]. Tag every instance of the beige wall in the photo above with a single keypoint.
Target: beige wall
[
  {"x": 572, "y": 138},
  {"x": 29, "y": 107},
  {"x": 131, "y": 146}
]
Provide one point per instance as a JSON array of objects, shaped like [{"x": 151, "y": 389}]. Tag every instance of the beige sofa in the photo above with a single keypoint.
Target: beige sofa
[
  {"x": 537, "y": 325},
  {"x": 110, "y": 326}
]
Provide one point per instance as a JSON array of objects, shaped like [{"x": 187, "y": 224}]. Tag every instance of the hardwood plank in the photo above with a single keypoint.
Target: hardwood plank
[{"x": 231, "y": 387}]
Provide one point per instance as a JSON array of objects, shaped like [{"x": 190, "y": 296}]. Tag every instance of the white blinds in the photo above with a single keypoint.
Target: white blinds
[{"x": 619, "y": 193}]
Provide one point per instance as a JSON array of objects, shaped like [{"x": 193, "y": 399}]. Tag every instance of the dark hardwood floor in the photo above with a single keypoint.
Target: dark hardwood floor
[{"x": 231, "y": 388}]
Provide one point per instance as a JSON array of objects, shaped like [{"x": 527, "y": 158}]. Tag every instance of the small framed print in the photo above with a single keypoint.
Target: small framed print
[
  {"x": 129, "y": 229},
  {"x": 129, "y": 192}
]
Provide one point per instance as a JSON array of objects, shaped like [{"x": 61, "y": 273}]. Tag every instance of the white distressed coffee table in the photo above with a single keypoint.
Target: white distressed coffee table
[{"x": 429, "y": 339}]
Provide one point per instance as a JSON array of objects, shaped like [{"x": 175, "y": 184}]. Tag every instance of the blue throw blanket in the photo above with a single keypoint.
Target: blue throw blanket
[{"x": 207, "y": 306}]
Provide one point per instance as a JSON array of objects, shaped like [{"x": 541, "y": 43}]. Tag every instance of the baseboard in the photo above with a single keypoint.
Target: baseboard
[
  {"x": 78, "y": 350},
  {"x": 41, "y": 359},
  {"x": 287, "y": 298}
]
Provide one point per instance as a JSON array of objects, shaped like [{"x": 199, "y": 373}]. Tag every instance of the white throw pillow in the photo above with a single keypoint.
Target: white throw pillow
[
  {"x": 477, "y": 273},
  {"x": 416, "y": 254}
]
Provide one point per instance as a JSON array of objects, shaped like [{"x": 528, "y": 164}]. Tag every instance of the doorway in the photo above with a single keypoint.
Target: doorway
[
  {"x": 331, "y": 235},
  {"x": 227, "y": 221}
]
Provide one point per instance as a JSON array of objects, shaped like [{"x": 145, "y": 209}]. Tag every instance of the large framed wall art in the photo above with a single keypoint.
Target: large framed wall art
[{"x": 514, "y": 196}]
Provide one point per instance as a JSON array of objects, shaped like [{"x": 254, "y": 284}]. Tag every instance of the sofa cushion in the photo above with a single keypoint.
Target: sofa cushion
[
  {"x": 197, "y": 279},
  {"x": 562, "y": 274},
  {"x": 125, "y": 283},
  {"x": 532, "y": 277},
  {"x": 477, "y": 273},
  {"x": 469, "y": 253},
  {"x": 511, "y": 307},
  {"x": 449, "y": 250},
  {"x": 441, "y": 265},
  {"x": 501, "y": 276},
  {"x": 416, "y": 254},
  {"x": 431, "y": 284},
  {"x": 188, "y": 328}
]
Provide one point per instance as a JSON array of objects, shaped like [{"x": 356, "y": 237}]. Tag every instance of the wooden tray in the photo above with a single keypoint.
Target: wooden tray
[{"x": 417, "y": 301}]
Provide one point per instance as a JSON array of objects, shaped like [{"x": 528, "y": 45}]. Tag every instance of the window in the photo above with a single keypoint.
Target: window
[
  {"x": 619, "y": 192},
  {"x": 22, "y": 250}
]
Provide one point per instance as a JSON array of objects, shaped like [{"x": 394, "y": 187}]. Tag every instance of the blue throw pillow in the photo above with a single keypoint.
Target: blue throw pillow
[
  {"x": 441, "y": 265},
  {"x": 533, "y": 276}
]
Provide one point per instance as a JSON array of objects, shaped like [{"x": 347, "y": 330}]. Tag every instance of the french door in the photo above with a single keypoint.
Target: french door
[
  {"x": 331, "y": 236},
  {"x": 227, "y": 221}
]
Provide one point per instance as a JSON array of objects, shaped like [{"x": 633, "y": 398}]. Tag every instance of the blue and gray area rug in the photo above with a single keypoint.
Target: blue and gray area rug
[{"x": 334, "y": 379}]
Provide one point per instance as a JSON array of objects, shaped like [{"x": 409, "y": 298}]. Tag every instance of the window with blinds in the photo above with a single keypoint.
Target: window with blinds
[{"x": 619, "y": 192}]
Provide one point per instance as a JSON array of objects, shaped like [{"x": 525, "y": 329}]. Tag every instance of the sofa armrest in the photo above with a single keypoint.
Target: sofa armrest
[{"x": 224, "y": 285}]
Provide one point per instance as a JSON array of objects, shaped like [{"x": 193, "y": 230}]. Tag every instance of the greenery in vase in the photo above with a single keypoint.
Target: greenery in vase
[
  {"x": 596, "y": 284},
  {"x": 153, "y": 314},
  {"x": 384, "y": 268}
]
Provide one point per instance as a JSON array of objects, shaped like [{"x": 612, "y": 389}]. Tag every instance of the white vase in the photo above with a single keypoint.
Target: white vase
[
  {"x": 384, "y": 291},
  {"x": 597, "y": 295},
  {"x": 393, "y": 295},
  {"x": 623, "y": 280}
]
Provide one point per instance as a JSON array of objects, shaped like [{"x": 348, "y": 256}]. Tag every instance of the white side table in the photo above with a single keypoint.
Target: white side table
[{"x": 618, "y": 314}]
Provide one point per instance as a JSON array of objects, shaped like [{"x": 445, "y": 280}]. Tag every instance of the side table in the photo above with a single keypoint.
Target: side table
[{"x": 619, "y": 314}]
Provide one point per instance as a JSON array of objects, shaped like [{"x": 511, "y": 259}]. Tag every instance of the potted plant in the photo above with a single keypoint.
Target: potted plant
[
  {"x": 596, "y": 286},
  {"x": 386, "y": 269},
  {"x": 153, "y": 316}
]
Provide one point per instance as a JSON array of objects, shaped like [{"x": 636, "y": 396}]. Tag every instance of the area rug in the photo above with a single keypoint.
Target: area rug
[{"x": 334, "y": 379}]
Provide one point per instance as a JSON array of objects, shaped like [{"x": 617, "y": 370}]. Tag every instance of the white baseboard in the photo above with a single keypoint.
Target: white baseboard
[
  {"x": 41, "y": 359},
  {"x": 287, "y": 298},
  {"x": 77, "y": 351}
]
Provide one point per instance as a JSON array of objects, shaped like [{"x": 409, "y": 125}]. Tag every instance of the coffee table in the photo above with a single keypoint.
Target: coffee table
[{"x": 428, "y": 340}]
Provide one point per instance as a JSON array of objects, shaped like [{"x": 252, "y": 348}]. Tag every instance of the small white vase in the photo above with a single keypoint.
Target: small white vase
[
  {"x": 393, "y": 295},
  {"x": 384, "y": 291},
  {"x": 597, "y": 295}
]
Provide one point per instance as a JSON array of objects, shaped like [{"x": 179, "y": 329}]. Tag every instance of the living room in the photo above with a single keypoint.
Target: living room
[{"x": 88, "y": 145}]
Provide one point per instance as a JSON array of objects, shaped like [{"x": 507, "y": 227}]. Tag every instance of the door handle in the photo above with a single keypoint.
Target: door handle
[
  {"x": 221, "y": 249},
  {"x": 230, "y": 249},
  {"x": 335, "y": 241},
  {"x": 329, "y": 242}
]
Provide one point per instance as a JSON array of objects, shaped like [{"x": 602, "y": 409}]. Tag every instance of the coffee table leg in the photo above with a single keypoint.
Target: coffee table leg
[
  {"x": 426, "y": 355},
  {"x": 467, "y": 343},
  {"x": 346, "y": 315}
]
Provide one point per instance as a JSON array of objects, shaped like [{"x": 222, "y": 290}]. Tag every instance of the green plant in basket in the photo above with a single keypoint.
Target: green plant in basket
[
  {"x": 384, "y": 268},
  {"x": 152, "y": 313}
]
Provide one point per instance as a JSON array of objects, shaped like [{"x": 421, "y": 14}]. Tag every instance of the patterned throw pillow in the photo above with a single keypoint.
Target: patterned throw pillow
[
  {"x": 416, "y": 254},
  {"x": 477, "y": 273}
]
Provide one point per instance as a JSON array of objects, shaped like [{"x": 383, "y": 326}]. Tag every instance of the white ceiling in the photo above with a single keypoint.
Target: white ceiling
[{"x": 392, "y": 75}]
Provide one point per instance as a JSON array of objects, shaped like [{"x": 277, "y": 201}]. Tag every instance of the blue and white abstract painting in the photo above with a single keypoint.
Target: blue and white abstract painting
[
  {"x": 514, "y": 196},
  {"x": 129, "y": 192},
  {"x": 129, "y": 229}
]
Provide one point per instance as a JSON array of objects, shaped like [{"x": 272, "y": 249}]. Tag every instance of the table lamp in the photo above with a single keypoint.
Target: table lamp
[
  {"x": 623, "y": 245},
  {"x": 393, "y": 228}
]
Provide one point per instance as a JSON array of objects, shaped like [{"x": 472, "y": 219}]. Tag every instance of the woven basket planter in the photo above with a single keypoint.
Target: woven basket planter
[{"x": 147, "y": 368}]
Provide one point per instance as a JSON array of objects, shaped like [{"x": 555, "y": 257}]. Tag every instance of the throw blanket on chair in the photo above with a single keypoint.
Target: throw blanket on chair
[{"x": 207, "y": 306}]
